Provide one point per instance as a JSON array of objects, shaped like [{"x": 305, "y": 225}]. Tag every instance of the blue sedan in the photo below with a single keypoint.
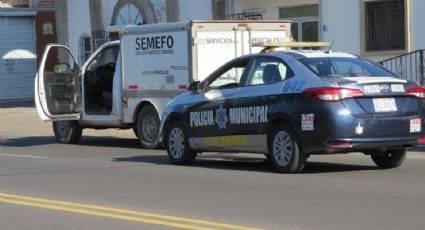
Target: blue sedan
[{"x": 289, "y": 105}]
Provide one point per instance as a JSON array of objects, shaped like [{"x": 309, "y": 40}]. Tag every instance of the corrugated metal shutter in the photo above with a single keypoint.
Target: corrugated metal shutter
[{"x": 17, "y": 57}]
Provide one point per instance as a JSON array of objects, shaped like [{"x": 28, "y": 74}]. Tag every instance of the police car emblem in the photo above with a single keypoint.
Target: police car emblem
[
  {"x": 221, "y": 117},
  {"x": 385, "y": 88}
]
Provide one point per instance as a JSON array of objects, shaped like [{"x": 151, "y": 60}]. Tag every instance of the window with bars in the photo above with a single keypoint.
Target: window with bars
[{"x": 385, "y": 25}]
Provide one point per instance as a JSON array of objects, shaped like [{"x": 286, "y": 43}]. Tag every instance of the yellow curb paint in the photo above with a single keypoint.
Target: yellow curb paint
[{"x": 61, "y": 205}]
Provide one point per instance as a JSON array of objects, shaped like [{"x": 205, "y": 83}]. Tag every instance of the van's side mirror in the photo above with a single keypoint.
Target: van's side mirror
[
  {"x": 194, "y": 86},
  {"x": 62, "y": 68}
]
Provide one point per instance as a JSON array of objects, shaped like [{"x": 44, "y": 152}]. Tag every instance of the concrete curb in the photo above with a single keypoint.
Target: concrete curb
[{"x": 17, "y": 103}]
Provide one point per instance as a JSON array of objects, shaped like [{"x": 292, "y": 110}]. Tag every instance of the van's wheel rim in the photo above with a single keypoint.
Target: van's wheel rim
[
  {"x": 63, "y": 128},
  {"x": 150, "y": 128},
  {"x": 176, "y": 143},
  {"x": 283, "y": 149}
]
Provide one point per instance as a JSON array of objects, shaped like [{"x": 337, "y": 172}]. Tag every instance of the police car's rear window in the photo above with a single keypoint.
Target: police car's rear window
[{"x": 345, "y": 67}]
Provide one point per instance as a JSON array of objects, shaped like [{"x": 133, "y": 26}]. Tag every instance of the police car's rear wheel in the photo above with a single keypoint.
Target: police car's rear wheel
[
  {"x": 285, "y": 153},
  {"x": 67, "y": 132},
  {"x": 389, "y": 159},
  {"x": 148, "y": 127},
  {"x": 177, "y": 144}
]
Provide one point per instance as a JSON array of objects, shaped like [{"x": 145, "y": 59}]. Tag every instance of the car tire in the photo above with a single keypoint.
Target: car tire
[
  {"x": 285, "y": 153},
  {"x": 390, "y": 159},
  {"x": 67, "y": 132},
  {"x": 177, "y": 144},
  {"x": 148, "y": 127}
]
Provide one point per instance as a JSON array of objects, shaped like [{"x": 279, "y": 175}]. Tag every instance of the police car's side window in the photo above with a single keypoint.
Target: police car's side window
[
  {"x": 229, "y": 77},
  {"x": 268, "y": 71}
]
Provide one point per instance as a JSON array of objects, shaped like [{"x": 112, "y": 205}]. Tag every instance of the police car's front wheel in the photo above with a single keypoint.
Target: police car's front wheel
[
  {"x": 177, "y": 144},
  {"x": 285, "y": 153}
]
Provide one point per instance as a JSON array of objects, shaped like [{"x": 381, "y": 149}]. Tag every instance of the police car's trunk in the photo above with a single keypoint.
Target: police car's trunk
[{"x": 382, "y": 97}]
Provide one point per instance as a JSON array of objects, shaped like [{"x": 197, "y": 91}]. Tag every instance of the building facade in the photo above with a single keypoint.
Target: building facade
[
  {"x": 377, "y": 29},
  {"x": 17, "y": 49},
  {"x": 26, "y": 26},
  {"x": 85, "y": 25}
]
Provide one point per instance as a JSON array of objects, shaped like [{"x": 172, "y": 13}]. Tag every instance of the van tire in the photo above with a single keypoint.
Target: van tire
[
  {"x": 67, "y": 132},
  {"x": 148, "y": 127}
]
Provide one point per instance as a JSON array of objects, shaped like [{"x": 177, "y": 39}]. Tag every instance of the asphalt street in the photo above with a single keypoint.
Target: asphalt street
[{"x": 108, "y": 182}]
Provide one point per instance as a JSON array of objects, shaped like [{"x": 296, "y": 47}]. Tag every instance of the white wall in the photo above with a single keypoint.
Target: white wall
[
  {"x": 417, "y": 24},
  {"x": 195, "y": 10},
  {"x": 78, "y": 22},
  {"x": 107, "y": 11},
  {"x": 342, "y": 20},
  {"x": 269, "y": 8}
]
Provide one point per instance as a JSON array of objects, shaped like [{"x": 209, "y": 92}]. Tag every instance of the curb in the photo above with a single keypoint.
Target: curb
[{"x": 17, "y": 103}]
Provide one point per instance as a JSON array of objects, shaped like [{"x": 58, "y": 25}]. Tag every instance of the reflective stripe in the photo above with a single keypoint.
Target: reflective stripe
[{"x": 152, "y": 93}]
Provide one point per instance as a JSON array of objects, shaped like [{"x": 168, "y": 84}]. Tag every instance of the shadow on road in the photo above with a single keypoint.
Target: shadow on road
[
  {"x": 112, "y": 142},
  {"x": 28, "y": 141},
  {"x": 213, "y": 161},
  {"x": 417, "y": 149},
  {"x": 247, "y": 164}
]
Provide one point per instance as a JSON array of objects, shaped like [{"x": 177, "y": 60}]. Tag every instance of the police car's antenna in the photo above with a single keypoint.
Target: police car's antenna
[{"x": 330, "y": 47}]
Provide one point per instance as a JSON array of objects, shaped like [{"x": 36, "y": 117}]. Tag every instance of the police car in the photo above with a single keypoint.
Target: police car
[{"x": 289, "y": 105}]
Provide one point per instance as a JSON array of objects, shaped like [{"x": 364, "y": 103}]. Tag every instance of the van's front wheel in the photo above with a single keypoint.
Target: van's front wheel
[
  {"x": 148, "y": 127},
  {"x": 67, "y": 132}
]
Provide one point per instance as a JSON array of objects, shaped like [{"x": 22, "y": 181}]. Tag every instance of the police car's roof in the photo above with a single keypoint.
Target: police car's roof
[{"x": 299, "y": 54}]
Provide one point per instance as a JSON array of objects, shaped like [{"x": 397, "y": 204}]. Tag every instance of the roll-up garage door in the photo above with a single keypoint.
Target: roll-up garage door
[{"x": 17, "y": 57}]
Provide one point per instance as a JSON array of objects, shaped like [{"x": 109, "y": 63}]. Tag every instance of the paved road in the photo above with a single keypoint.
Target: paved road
[{"x": 45, "y": 185}]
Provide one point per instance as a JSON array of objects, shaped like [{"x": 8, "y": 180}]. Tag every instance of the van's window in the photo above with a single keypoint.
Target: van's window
[
  {"x": 106, "y": 56},
  {"x": 345, "y": 67}
]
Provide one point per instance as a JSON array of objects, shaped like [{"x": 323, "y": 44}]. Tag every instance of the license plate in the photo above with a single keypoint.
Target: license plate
[{"x": 384, "y": 105}]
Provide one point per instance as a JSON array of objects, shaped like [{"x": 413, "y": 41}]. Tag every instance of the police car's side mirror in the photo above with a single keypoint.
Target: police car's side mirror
[{"x": 194, "y": 86}]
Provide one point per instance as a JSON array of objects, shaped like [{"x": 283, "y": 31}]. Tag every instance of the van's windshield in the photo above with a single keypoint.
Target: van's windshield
[{"x": 345, "y": 67}]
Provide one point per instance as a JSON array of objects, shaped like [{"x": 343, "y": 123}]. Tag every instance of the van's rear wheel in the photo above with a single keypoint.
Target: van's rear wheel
[
  {"x": 67, "y": 132},
  {"x": 389, "y": 159},
  {"x": 148, "y": 127}
]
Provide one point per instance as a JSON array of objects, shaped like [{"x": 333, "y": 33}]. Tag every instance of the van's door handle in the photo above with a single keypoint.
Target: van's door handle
[{"x": 268, "y": 98}]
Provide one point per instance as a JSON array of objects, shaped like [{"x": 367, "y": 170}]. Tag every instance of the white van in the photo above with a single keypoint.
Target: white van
[{"x": 127, "y": 83}]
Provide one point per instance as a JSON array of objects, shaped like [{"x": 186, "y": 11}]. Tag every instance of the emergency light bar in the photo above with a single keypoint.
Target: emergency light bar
[
  {"x": 293, "y": 44},
  {"x": 269, "y": 46}
]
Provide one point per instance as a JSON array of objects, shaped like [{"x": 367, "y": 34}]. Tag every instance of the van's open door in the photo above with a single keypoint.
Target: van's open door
[{"x": 58, "y": 85}]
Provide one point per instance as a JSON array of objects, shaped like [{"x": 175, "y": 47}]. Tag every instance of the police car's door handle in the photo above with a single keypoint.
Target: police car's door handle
[
  {"x": 227, "y": 104},
  {"x": 268, "y": 98}
]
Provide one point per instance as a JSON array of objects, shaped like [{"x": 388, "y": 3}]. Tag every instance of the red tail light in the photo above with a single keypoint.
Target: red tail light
[
  {"x": 421, "y": 140},
  {"x": 338, "y": 144},
  {"x": 332, "y": 94},
  {"x": 418, "y": 91}
]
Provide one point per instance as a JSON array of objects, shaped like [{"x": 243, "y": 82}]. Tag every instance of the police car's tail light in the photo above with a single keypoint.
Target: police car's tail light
[
  {"x": 332, "y": 94},
  {"x": 418, "y": 91},
  {"x": 338, "y": 144},
  {"x": 421, "y": 140}
]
